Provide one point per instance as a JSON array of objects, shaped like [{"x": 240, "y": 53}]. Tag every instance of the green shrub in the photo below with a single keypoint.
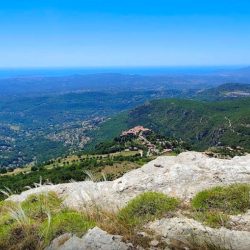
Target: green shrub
[
  {"x": 6, "y": 205},
  {"x": 16, "y": 230},
  {"x": 38, "y": 220},
  {"x": 233, "y": 199},
  {"x": 66, "y": 222},
  {"x": 6, "y": 221},
  {"x": 146, "y": 207},
  {"x": 212, "y": 218},
  {"x": 5, "y": 227},
  {"x": 22, "y": 237},
  {"x": 37, "y": 206}
]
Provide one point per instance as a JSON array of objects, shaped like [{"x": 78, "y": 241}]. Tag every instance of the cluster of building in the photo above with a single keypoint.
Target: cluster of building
[
  {"x": 74, "y": 135},
  {"x": 135, "y": 131},
  {"x": 141, "y": 133}
]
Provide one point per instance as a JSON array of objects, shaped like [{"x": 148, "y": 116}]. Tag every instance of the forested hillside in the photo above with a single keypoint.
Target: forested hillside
[
  {"x": 39, "y": 128},
  {"x": 201, "y": 124},
  {"x": 42, "y": 128},
  {"x": 224, "y": 91}
]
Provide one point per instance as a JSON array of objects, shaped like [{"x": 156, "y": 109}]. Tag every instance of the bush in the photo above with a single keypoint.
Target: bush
[
  {"x": 34, "y": 168},
  {"x": 6, "y": 220},
  {"x": 22, "y": 237},
  {"x": 38, "y": 220},
  {"x": 15, "y": 231},
  {"x": 5, "y": 227},
  {"x": 233, "y": 199},
  {"x": 146, "y": 207},
  {"x": 37, "y": 206},
  {"x": 3, "y": 170},
  {"x": 212, "y": 218},
  {"x": 66, "y": 222}
]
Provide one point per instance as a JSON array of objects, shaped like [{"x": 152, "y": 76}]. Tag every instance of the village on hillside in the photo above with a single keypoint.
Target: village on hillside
[{"x": 152, "y": 142}]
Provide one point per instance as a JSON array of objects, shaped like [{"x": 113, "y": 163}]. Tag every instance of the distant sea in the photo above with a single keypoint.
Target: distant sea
[{"x": 57, "y": 72}]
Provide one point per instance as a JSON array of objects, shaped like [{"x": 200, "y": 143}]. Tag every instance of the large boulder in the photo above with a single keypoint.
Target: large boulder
[{"x": 179, "y": 176}]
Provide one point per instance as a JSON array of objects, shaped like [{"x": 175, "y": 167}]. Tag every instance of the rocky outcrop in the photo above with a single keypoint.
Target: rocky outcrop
[
  {"x": 175, "y": 233},
  {"x": 94, "y": 239},
  {"x": 178, "y": 232},
  {"x": 179, "y": 176}
]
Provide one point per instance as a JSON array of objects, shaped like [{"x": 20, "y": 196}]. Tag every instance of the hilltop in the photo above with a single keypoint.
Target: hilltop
[
  {"x": 143, "y": 139},
  {"x": 196, "y": 171},
  {"x": 198, "y": 123},
  {"x": 189, "y": 201}
]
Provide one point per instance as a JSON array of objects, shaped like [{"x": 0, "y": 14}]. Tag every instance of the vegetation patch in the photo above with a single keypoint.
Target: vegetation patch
[
  {"x": 213, "y": 219},
  {"x": 36, "y": 221},
  {"x": 200, "y": 124},
  {"x": 63, "y": 171},
  {"x": 38, "y": 206},
  {"x": 146, "y": 207},
  {"x": 6, "y": 221},
  {"x": 5, "y": 228},
  {"x": 22, "y": 236},
  {"x": 225, "y": 152},
  {"x": 233, "y": 199},
  {"x": 67, "y": 221},
  {"x": 112, "y": 223},
  {"x": 17, "y": 231}
]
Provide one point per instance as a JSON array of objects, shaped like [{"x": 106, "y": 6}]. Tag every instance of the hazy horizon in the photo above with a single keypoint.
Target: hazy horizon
[{"x": 139, "y": 70}]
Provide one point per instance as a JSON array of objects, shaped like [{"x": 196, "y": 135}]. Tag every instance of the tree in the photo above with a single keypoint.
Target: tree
[
  {"x": 34, "y": 168},
  {"x": 3, "y": 170}
]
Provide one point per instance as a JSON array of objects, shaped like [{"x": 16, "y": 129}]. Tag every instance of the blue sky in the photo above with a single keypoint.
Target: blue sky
[{"x": 63, "y": 33}]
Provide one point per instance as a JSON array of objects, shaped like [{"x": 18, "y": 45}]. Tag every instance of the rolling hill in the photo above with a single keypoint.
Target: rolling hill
[
  {"x": 224, "y": 91},
  {"x": 201, "y": 124},
  {"x": 40, "y": 128}
]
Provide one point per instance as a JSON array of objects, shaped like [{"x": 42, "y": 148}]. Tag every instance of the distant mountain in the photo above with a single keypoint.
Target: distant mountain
[
  {"x": 113, "y": 83},
  {"x": 244, "y": 70},
  {"x": 225, "y": 91},
  {"x": 201, "y": 124},
  {"x": 237, "y": 72}
]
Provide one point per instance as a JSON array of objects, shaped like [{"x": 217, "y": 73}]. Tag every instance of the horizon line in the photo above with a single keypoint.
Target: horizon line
[{"x": 124, "y": 66}]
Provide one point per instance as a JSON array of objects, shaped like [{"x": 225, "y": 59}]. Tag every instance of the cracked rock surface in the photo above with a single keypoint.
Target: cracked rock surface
[{"x": 183, "y": 231}]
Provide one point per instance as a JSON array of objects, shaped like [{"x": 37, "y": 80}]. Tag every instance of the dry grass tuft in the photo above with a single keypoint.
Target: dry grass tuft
[{"x": 112, "y": 224}]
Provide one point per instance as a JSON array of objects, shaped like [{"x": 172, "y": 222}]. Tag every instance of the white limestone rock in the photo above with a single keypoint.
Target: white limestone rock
[
  {"x": 59, "y": 241},
  {"x": 179, "y": 176},
  {"x": 178, "y": 232},
  {"x": 241, "y": 221},
  {"x": 94, "y": 239}
]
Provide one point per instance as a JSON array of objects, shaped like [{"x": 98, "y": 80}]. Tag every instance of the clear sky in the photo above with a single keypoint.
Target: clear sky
[{"x": 68, "y": 33}]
